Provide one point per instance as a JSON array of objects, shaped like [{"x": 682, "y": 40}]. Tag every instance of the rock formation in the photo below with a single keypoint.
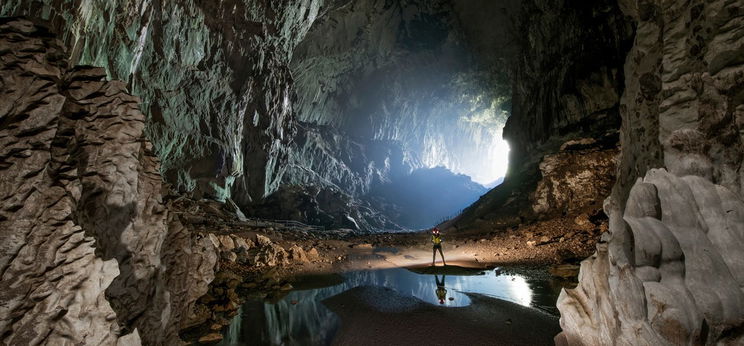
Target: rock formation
[
  {"x": 575, "y": 177},
  {"x": 567, "y": 82},
  {"x": 218, "y": 83},
  {"x": 212, "y": 77},
  {"x": 325, "y": 156},
  {"x": 385, "y": 88},
  {"x": 670, "y": 270},
  {"x": 90, "y": 253},
  {"x": 307, "y": 109}
]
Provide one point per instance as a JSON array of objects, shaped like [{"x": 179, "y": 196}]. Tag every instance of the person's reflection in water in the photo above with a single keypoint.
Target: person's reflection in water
[{"x": 441, "y": 290}]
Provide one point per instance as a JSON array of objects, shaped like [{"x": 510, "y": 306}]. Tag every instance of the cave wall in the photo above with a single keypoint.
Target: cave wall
[
  {"x": 383, "y": 88},
  {"x": 567, "y": 80},
  {"x": 212, "y": 76},
  {"x": 670, "y": 270},
  {"x": 568, "y": 76},
  {"x": 399, "y": 71},
  {"x": 90, "y": 253},
  {"x": 218, "y": 93}
]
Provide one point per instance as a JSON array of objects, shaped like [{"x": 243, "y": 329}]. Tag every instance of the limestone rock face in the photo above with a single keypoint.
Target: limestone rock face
[
  {"x": 572, "y": 179},
  {"x": 669, "y": 272},
  {"x": 388, "y": 87},
  {"x": 53, "y": 154},
  {"x": 567, "y": 83},
  {"x": 568, "y": 78},
  {"x": 215, "y": 83},
  {"x": 212, "y": 77},
  {"x": 90, "y": 254}
]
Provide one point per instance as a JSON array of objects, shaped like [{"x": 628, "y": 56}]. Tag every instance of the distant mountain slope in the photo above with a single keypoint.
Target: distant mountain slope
[{"x": 426, "y": 196}]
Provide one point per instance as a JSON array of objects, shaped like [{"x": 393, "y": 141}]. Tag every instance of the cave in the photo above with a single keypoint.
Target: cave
[{"x": 242, "y": 172}]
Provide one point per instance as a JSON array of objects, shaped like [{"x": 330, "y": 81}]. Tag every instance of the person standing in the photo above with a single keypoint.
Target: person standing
[{"x": 436, "y": 239}]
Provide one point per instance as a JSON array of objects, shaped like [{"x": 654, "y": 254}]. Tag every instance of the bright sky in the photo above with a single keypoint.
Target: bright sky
[
  {"x": 484, "y": 163},
  {"x": 474, "y": 146},
  {"x": 494, "y": 166}
]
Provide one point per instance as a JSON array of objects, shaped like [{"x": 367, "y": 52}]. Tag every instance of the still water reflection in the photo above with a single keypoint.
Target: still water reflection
[{"x": 301, "y": 319}]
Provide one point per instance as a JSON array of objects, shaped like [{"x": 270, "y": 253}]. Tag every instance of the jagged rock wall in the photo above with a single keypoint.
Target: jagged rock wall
[
  {"x": 217, "y": 92},
  {"x": 90, "y": 254},
  {"x": 566, "y": 83},
  {"x": 670, "y": 270},
  {"x": 212, "y": 76},
  {"x": 568, "y": 76}
]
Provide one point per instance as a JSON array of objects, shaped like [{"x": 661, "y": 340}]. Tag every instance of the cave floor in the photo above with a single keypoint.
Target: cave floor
[
  {"x": 542, "y": 244},
  {"x": 566, "y": 239},
  {"x": 547, "y": 246}
]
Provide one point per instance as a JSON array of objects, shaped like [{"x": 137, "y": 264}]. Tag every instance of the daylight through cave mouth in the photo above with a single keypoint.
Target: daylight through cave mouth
[{"x": 399, "y": 110}]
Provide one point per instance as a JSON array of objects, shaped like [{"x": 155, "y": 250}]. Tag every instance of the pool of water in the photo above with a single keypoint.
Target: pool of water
[{"x": 300, "y": 318}]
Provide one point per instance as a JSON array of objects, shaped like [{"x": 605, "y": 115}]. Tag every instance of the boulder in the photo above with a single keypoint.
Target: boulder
[
  {"x": 582, "y": 220},
  {"x": 262, "y": 240},
  {"x": 265, "y": 253},
  {"x": 215, "y": 240},
  {"x": 226, "y": 243},
  {"x": 229, "y": 256},
  {"x": 313, "y": 254},
  {"x": 241, "y": 243},
  {"x": 297, "y": 254}
]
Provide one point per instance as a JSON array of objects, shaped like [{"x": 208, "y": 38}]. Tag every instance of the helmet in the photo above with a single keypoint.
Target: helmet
[{"x": 435, "y": 230}]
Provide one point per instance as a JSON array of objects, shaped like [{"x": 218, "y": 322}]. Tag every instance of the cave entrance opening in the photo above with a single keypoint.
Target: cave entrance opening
[{"x": 401, "y": 106}]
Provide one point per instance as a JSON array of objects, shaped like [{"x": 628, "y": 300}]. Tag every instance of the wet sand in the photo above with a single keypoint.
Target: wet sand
[{"x": 380, "y": 316}]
